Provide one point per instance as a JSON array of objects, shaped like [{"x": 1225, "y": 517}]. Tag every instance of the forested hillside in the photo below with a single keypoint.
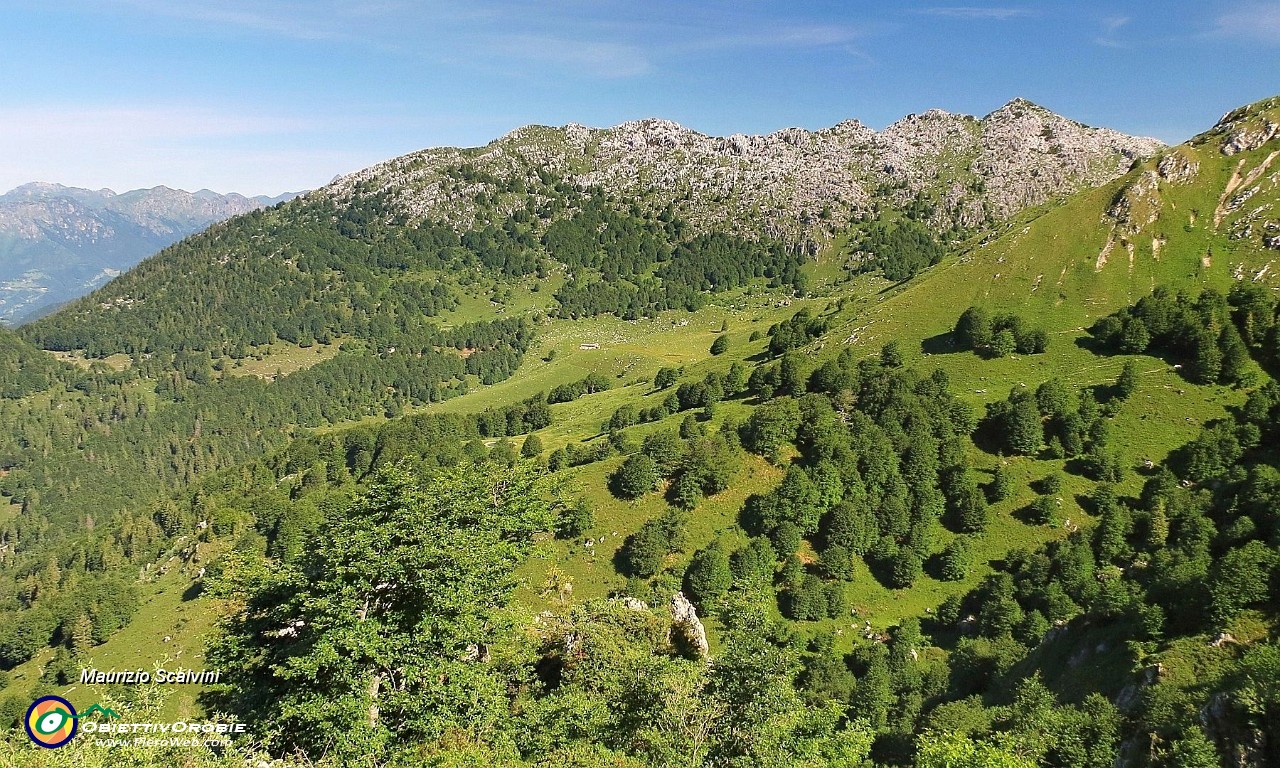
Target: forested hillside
[{"x": 993, "y": 496}]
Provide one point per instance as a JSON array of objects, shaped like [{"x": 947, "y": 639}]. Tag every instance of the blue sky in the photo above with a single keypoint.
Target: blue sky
[{"x": 264, "y": 96}]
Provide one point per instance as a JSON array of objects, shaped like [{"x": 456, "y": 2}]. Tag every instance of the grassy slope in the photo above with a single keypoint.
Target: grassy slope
[
  {"x": 168, "y": 609},
  {"x": 1045, "y": 265}
]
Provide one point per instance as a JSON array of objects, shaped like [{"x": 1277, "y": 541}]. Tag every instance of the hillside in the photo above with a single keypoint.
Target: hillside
[
  {"x": 908, "y": 528},
  {"x": 542, "y": 196},
  {"x": 58, "y": 243}
]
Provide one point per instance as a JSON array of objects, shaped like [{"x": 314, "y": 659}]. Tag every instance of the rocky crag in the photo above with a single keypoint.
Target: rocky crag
[{"x": 798, "y": 184}]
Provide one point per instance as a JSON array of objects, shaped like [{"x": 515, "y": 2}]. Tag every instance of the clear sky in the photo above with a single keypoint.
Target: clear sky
[{"x": 266, "y": 96}]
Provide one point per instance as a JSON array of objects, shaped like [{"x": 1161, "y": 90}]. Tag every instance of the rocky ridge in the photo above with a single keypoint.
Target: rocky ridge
[
  {"x": 799, "y": 184},
  {"x": 1248, "y": 209}
]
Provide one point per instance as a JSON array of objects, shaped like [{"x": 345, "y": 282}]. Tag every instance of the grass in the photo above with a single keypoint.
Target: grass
[
  {"x": 592, "y": 568},
  {"x": 167, "y": 611},
  {"x": 281, "y": 359},
  {"x": 116, "y": 362}
]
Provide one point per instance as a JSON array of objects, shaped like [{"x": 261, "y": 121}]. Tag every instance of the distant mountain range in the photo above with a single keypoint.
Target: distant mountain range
[{"x": 58, "y": 243}]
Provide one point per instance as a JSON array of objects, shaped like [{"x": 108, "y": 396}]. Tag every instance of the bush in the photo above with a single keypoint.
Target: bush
[{"x": 575, "y": 521}]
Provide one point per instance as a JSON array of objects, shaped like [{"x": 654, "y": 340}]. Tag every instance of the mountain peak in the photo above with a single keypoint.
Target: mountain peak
[
  {"x": 985, "y": 170},
  {"x": 1020, "y": 107}
]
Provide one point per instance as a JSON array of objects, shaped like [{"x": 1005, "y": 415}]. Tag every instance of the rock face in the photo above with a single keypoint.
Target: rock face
[
  {"x": 58, "y": 243},
  {"x": 799, "y": 184},
  {"x": 687, "y": 633},
  {"x": 1244, "y": 130},
  {"x": 1245, "y": 746}
]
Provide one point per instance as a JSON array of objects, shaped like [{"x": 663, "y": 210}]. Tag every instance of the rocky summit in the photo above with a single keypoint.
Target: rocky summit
[{"x": 800, "y": 184}]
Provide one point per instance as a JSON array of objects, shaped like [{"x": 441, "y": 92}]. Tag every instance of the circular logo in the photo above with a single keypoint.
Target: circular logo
[{"x": 51, "y": 721}]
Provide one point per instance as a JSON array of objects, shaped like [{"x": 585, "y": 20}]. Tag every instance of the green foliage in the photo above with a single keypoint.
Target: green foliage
[
  {"x": 363, "y": 645},
  {"x": 1211, "y": 335},
  {"x": 1127, "y": 382},
  {"x": 1240, "y": 578},
  {"x": 1001, "y": 486},
  {"x": 973, "y": 329},
  {"x": 770, "y": 427},
  {"x": 806, "y": 600},
  {"x": 666, "y": 377},
  {"x": 643, "y": 552},
  {"x": 900, "y": 249},
  {"x": 998, "y": 336},
  {"x": 954, "y": 750},
  {"x": 957, "y": 560},
  {"x": 575, "y": 520},
  {"x": 720, "y": 345},
  {"x": 632, "y": 266},
  {"x": 1017, "y": 422},
  {"x": 905, "y": 568},
  {"x": 531, "y": 448},
  {"x": 891, "y": 355},
  {"x": 708, "y": 577},
  {"x": 589, "y": 385},
  {"x": 801, "y": 329},
  {"x": 1003, "y": 343},
  {"x": 637, "y": 476}
]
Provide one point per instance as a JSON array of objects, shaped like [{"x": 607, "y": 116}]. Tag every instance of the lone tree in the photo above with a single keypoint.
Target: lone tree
[
  {"x": 956, "y": 560},
  {"x": 891, "y": 355},
  {"x": 1127, "y": 382},
  {"x": 720, "y": 345},
  {"x": 532, "y": 447},
  {"x": 637, "y": 476}
]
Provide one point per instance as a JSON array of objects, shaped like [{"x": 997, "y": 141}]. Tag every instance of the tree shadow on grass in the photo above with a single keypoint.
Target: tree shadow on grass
[
  {"x": 941, "y": 344},
  {"x": 933, "y": 567},
  {"x": 1092, "y": 345}
]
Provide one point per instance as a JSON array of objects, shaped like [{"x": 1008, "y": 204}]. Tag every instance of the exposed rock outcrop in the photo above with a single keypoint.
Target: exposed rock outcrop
[
  {"x": 687, "y": 633},
  {"x": 794, "y": 183},
  {"x": 1244, "y": 745}
]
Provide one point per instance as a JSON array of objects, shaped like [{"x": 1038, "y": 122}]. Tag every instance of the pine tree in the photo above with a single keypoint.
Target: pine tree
[
  {"x": 1023, "y": 430},
  {"x": 1001, "y": 486},
  {"x": 1127, "y": 382},
  {"x": 956, "y": 560},
  {"x": 1003, "y": 344}
]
